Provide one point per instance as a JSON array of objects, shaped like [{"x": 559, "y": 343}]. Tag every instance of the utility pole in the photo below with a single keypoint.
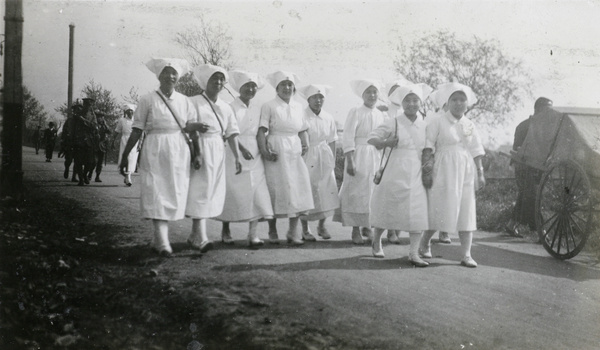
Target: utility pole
[
  {"x": 70, "y": 89},
  {"x": 11, "y": 173}
]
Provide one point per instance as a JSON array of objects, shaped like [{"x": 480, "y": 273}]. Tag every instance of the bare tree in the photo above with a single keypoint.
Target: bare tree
[
  {"x": 499, "y": 81},
  {"x": 207, "y": 42},
  {"x": 133, "y": 96}
]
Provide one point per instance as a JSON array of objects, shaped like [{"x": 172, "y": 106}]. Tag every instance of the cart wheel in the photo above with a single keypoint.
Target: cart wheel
[{"x": 564, "y": 209}]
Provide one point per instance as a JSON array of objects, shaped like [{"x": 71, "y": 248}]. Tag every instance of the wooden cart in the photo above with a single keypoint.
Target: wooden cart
[{"x": 564, "y": 144}]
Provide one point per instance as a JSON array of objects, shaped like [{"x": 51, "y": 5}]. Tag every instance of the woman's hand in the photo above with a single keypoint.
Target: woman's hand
[
  {"x": 245, "y": 153},
  {"x": 350, "y": 166},
  {"x": 238, "y": 166},
  {"x": 480, "y": 178},
  {"x": 391, "y": 142},
  {"x": 124, "y": 164},
  {"x": 269, "y": 155},
  {"x": 304, "y": 149},
  {"x": 196, "y": 126}
]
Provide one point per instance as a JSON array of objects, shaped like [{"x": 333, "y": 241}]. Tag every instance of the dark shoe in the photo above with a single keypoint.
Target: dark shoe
[
  {"x": 127, "y": 183},
  {"x": 273, "y": 238},
  {"x": 203, "y": 247},
  {"x": 66, "y": 173},
  {"x": 97, "y": 179},
  {"x": 80, "y": 183},
  {"x": 86, "y": 180},
  {"x": 226, "y": 238},
  {"x": 255, "y": 243}
]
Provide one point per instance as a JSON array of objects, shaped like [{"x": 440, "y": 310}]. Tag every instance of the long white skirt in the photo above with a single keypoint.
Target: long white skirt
[
  {"x": 452, "y": 195},
  {"x": 320, "y": 162},
  {"x": 356, "y": 191},
  {"x": 247, "y": 196},
  {"x": 207, "y": 185},
  {"x": 164, "y": 175},
  {"x": 132, "y": 158},
  {"x": 287, "y": 178},
  {"x": 399, "y": 202}
]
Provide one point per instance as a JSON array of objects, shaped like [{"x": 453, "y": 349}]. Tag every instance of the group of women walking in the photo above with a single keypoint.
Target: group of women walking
[{"x": 402, "y": 172}]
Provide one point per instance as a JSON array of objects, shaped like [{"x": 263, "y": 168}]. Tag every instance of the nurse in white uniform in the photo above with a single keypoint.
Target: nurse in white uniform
[
  {"x": 165, "y": 159},
  {"x": 247, "y": 197},
  {"x": 320, "y": 160},
  {"x": 282, "y": 150},
  {"x": 399, "y": 202},
  {"x": 362, "y": 160},
  {"x": 456, "y": 169},
  {"x": 123, "y": 129},
  {"x": 207, "y": 184}
]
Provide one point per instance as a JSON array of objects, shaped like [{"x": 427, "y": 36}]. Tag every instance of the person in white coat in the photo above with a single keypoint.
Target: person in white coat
[
  {"x": 454, "y": 142},
  {"x": 165, "y": 159},
  {"x": 206, "y": 196},
  {"x": 320, "y": 160},
  {"x": 123, "y": 129},
  {"x": 399, "y": 202},
  {"x": 247, "y": 195},
  {"x": 362, "y": 160},
  {"x": 287, "y": 141}
]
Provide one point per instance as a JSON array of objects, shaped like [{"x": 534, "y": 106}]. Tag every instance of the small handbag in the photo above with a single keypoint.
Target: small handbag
[
  {"x": 379, "y": 173},
  {"x": 188, "y": 140}
]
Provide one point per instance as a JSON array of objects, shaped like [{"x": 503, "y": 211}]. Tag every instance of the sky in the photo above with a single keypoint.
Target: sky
[{"x": 329, "y": 42}]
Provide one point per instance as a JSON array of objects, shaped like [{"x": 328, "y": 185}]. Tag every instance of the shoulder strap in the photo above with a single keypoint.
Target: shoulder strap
[
  {"x": 391, "y": 148},
  {"x": 171, "y": 110},
  {"x": 216, "y": 115}
]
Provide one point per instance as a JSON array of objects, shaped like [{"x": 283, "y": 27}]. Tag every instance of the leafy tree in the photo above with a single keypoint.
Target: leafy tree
[
  {"x": 33, "y": 111},
  {"x": 498, "y": 80},
  {"x": 188, "y": 86},
  {"x": 105, "y": 102}
]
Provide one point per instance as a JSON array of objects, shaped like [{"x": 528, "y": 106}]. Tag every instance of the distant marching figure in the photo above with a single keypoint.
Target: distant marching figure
[
  {"x": 247, "y": 196},
  {"x": 287, "y": 141},
  {"x": 320, "y": 161},
  {"x": 124, "y": 127},
  {"x": 399, "y": 202},
  {"x": 206, "y": 196},
  {"x": 362, "y": 160},
  {"x": 455, "y": 141},
  {"x": 165, "y": 159}
]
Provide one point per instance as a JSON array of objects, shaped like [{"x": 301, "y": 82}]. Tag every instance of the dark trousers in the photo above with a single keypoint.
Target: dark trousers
[
  {"x": 49, "y": 149},
  {"x": 83, "y": 157},
  {"x": 528, "y": 180},
  {"x": 97, "y": 164}
]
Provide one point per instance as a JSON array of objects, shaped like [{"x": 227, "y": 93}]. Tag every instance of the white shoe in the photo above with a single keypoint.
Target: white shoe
[
  {"x": 417, "y": 261},
  {"x": 308, "y": 236},
  {"x": 468, "y": 262},
  {"x": 425, "y": 252}
]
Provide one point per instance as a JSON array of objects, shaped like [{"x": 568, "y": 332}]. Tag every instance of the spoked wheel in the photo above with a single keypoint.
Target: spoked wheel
[{"x": 564, "y": 209}]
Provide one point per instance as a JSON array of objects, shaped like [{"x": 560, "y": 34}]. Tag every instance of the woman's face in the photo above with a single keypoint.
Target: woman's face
[
  {"x": 315, "y": 102},
  {"x": 285, "y": 90},
  {"x": 248, "y": 91},
  {"x": 168, "y": 77},
  {"x": 370, "y": 96},
  {"x": 411, "y": 104},
  {"x": 457, "y": 104},
  {"x": 215, "y": 83}
]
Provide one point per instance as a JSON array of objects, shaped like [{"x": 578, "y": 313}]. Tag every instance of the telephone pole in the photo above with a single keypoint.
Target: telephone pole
[{"x": 11, "y": 173}]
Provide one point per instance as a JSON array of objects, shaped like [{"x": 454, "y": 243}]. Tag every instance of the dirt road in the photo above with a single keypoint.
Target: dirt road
[{"x": 333, "y": 294}]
